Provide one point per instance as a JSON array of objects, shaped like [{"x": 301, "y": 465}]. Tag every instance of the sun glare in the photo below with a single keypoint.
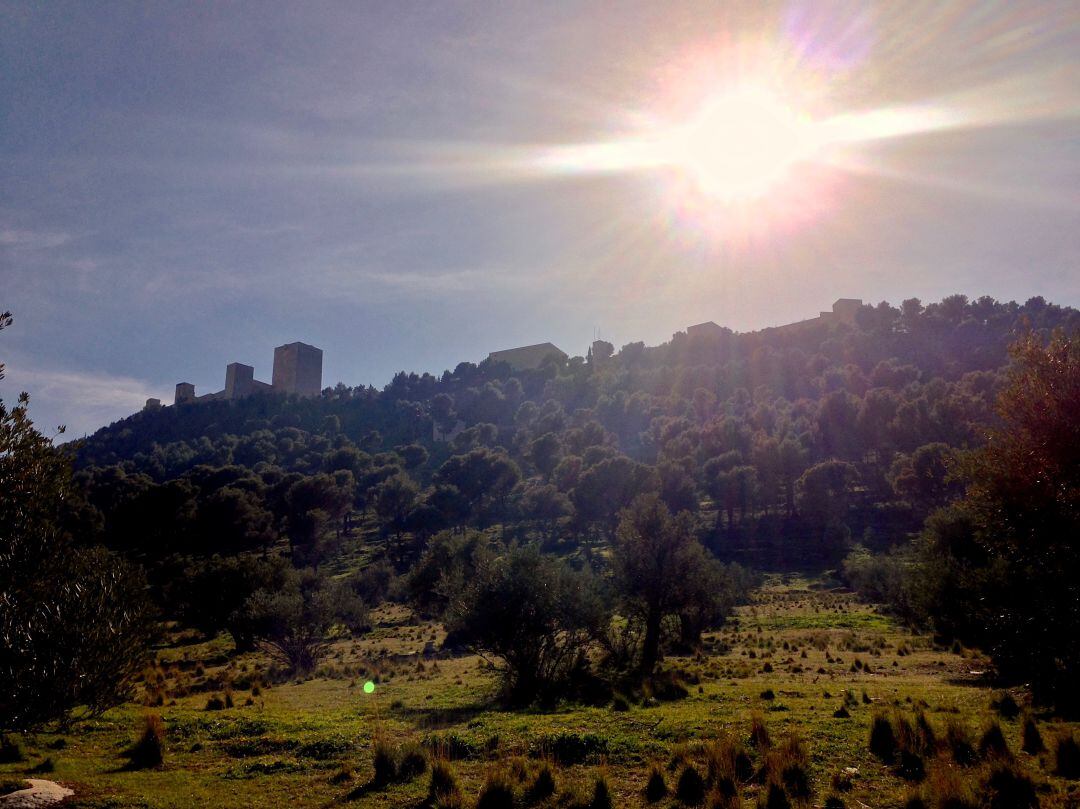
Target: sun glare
[{"x": 740, "y": 145}]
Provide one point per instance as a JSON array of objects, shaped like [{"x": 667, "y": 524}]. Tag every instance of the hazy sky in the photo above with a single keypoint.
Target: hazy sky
[{"x": 185, "y": 185}]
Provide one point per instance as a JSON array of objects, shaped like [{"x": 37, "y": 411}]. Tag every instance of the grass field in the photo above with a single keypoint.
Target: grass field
[{"x": 793, "y": 657}]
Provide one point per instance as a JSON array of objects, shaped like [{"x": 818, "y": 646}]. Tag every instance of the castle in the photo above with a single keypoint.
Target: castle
[
  {"x": 297, "y": 369},
  {"x": 844, "y": 312}
]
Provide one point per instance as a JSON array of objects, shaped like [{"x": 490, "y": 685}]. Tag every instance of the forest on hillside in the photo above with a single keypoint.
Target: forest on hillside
[{"x": 584, "y": 518}]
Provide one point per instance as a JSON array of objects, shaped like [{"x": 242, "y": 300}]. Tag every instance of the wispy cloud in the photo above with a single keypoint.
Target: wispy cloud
[
  {"x": 81, "y": 400},
  {"x": 33, "y": 239}
]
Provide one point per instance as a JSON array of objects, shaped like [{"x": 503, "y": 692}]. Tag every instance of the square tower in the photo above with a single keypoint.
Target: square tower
[
  {"x": 185, "y": 392},
  {"x": 239, "y": 380},
  {"x": 298, "y": 369}
]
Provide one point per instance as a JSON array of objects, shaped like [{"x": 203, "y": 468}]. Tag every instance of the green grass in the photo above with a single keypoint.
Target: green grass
[{"x": 310, "y": 743}]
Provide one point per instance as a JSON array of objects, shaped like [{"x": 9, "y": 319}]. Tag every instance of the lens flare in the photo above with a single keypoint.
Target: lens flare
[{"x": 740, "y": 144}]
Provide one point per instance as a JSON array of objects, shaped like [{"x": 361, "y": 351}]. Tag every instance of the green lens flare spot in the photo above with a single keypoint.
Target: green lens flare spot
[{"x": 369, "y": 687}]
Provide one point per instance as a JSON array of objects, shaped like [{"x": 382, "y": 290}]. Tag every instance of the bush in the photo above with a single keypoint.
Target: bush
[
  {"x": 759, "y": 734},
  {"x": 1033, "y": 741},
  {"x": 1010, "y": 789},
  {"x": 497, "y": 792},
  {"x": 533, "y": 613},
  {"x": 774, "y": 798},
  {"x": 1067, "y": 757},
  {"x": 383, "y": 763},
  {"x": 149, "y": 751},
  {"x": 958, "y": 740},
  {"x": 993, "y": 744},
  {"x": 690, "y": 788},
  {"x": 571, "y": 748},
  {"x": 215, "y": 703},
  {"x": 47, "y": 765},
  {"x": 10, "y": 751},
  {"x": 656, "y": 787},
  {"x": 443, "y": 789},
  {"x": 411, "y": 762},
  {"x": 9, "y": 785},
  {"x": 601, "y": 798},
  {"x": 543, "y": 786},
  {"x": 948, "y": 789},
  {"x": 882, "y": 738},
  {"x": 1006, "y": 706}
]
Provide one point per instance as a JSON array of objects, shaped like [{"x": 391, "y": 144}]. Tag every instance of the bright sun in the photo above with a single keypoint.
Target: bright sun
[{"x": 739, "y": 145}]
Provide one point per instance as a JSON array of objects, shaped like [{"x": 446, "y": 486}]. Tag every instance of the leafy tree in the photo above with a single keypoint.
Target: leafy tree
[
  {"x": 544, "y": 505},
  {"x": 483, "y": 477},
  {"x": 210, "y": 593},
  {"x": 923, "y": 478},
  {"x": 233, "y": 520},
  {"x": 413, "y": 455},
  {"x": 448, "y": 563},
  {"x": 395, "y": 498},
  {"x": 544, "y": 452},
  {"x": 533, "y": 614},
  {"x": 296, "y": 622},
  {"x": 656, "y": 563},
  {"x": 1018, "y": 525},
  {"x": 608, "y": 487},
  {"x": 825, "y": 491},
  {"x": 74, "y": 622}
]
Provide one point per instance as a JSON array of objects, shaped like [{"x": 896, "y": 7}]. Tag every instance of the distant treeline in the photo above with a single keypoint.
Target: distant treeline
[{"x": 788, "y": 446}]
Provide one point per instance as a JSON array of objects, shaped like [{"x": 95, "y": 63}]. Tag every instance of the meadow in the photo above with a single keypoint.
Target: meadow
[{"x": 805, "y": 664}]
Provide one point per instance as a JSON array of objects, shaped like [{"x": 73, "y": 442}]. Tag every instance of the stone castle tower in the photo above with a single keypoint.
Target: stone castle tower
[{"x": 297, "y": 369}]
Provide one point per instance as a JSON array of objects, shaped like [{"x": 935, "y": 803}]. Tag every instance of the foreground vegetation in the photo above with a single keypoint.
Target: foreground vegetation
[
  {"x": 794, "y": 662},
  {"x": 544, "y": 610}
]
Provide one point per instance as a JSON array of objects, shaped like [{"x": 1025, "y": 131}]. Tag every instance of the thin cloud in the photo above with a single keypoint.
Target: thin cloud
[
  {"x": 33, "y": 239},
  {"x": 81, "y": 400}
]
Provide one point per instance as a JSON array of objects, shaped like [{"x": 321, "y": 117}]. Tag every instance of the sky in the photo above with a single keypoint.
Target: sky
[{"x": 410, "y": 185}]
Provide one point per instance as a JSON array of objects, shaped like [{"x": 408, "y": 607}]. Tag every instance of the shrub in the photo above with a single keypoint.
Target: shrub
[
  {"x": 215, "y": 703},
  {"x": 1006, "y": 706},
  {"x": 787, "y": 765},
  {"x": 774, "y": 798},
  {"x": 9, "y": 785},
  {"x": 834, "y": 802},
  {"x": 11, "y": 751},
  {"x": 728, "y": 759},
  {"x": 1067, "y": 757},
  {"x": 948, "y": 789},
  {"x": 1010, "y": 789},
  {"x": 993, "y": 744},
  {"x": 768, "y": 694},
  {"x": 601, "y": 798},
  {"x": 1033, "y": 741},
  {"x": 149, "y": 751},
  {"x": 842, "y": 713},
  {"x": 443, "y": 789},
  {"x": 383, "y": 763},
  {"x": 926, "y": 736},
  {"x": 958, "y": 740},
  {"x": 690, "y": 788},
  {"x": 572, "y": 748},
  {"x": 46, "y": 765},
  {"x": 656, "y": 787},
  {"x": 543, "y": 786},
  {"x": 497, "y": 792},
  {"x": 759, "y": 734},
  {"x": 411, "y": 762},
  {"x": 882, "y": 738}
]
